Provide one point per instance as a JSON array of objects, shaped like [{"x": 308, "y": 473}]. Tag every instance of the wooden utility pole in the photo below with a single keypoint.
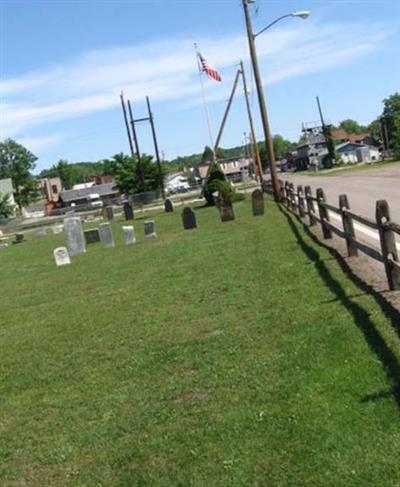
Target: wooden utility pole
[
  {"x": 153, "y": 131},
  {"x": 126, "y": 122},
  {"x": 262, "y": 103},
  {"x": 139, "y": 159},
  {"x": 252, "y": 131}
]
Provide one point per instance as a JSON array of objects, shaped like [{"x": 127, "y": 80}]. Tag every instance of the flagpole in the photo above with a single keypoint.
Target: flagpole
[{"x": 203, "y": 90}]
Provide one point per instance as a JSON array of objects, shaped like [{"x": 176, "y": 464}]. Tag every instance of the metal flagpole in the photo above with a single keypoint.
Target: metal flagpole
[{"x": 203, "y": 90}]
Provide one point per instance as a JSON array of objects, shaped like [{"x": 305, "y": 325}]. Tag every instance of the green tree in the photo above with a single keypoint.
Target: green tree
[
  {"x": 390, "y": 114},
  {"x": 6, "y": 208},
  {"x": 281, "y": 148},
  {"x": 17, "y": 162},
  {"x": 65, "y": 173},
  {"x": 216, "y": 181},
  {"x": 396, "y": 136},
  {"x": 352, "y": 126}
]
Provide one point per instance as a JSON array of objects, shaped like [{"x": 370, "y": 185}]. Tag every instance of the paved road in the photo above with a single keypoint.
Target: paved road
[{"x": 362, "y": 188}]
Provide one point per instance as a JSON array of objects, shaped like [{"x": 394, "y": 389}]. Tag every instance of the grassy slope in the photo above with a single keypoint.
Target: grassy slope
[
  {"x": 349, "y": 169},
  {"x": 227, "y": 355}
]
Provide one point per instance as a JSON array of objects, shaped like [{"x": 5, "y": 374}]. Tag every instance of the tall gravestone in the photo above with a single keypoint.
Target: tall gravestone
[
  {"x": 257, "y": 200},
  {"x": 129, "y": 235},
  {"x": 150, "y": 229},
  {"x": 19, "y": 238},
  {"x": 109, "y": 213},
  {"x": 128, "y": 211},
  {"x": 188, "y": 219},
  {"x": 92, "y": 236},
  {"x": 61, "y": 256},
  {"x": 74, "y": 235},
  {"x": 106, "y": 235},
  {"x": 168, "y": 206},
  {"x": 226, "y": 208}
]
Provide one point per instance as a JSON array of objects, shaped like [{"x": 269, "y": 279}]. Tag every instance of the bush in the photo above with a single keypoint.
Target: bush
[{"x": 216, "y": 182}]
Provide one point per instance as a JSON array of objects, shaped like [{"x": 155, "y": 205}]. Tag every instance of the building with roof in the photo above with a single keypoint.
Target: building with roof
[
  {"x": 106, "y": 193},
  {"x": 236, "y": 169},
  {"x": 353, "y": 153},
  {"x": 342, "y": 136}
]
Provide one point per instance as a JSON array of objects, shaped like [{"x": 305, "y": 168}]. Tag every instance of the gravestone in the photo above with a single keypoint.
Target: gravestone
[
  {"x": 257, "y": 200},
  {"x": 225, "y": 208},
  {"x": 61, "y": 256},
  {"x": 74, "y": 236},
  {"x": 169, "y": 207},
  {"x": 106, "y": 235},
  {"x": 109, "y": 213},
  {"x": 150, "y": 229},
  {"x": 188, "y": 219},
  {"x": 92, "y": 236},
  {"x": 19, "y": 238},
  {"x": 128, "y": 211},
  {"x": 56, "y": 229},
  {"x": 129, "y": 235},
  {"x": 41, "y": 233}
]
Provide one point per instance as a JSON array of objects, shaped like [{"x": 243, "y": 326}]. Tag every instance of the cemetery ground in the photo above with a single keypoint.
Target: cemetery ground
[{"x": 237, "y": 353}]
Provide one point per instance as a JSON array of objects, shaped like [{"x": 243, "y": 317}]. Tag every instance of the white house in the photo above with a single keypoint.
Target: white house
[
  {"x": 353, "y": 153},
  {"x": 177, "y": 183}
]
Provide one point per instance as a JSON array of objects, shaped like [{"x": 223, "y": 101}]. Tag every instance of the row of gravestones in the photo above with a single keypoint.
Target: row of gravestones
[
  {"x": 77, "y": 238},
  {"x": 224, "y": 204}
]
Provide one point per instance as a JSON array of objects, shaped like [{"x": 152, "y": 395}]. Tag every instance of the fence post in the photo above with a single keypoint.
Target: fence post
[
  {"x": 282, "y": 190},
  {"x": 310, "y": 205},
  {"x": 287, "y": 192},
  {"x": 300, "y": 196},
  {"x": 292, "y": 198},
  {"x": 323, "y": 214},
  {"x": 388, "y": 244},
  {"x": 348, "y": 226}
]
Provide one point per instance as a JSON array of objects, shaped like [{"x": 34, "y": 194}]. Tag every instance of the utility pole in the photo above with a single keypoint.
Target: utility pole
[
  {"x": 153, "y": 131},
  {"x": 126, "y": 122},
  {"x": 262, "y": 103},
  {"x": 256, "y": 151},
  {"x": 141, "y": 175}
]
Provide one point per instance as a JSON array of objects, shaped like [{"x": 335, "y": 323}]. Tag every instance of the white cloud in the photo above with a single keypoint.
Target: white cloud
[
  {"x": 167, "y": 71},
  {"x": 37, "y": 144}
]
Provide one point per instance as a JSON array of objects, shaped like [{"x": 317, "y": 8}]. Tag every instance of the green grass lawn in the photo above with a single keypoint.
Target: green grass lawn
[
  {"x": 237, "y": 354},
  {"x": 345, "y": 169}
]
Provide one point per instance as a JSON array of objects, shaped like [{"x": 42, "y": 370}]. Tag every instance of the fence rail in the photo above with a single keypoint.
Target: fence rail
[{"x": 316, "y": 209}]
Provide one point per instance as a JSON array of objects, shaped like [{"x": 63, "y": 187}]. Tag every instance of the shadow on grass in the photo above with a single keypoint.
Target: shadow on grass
[{"x": 361, "y": 317}]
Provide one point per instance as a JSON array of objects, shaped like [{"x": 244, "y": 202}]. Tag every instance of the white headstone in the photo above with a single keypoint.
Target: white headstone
[
  {"x": 106, "y": 235},
  {"x": 74, "y": 235},
  {"x": 56, "y": 229},
  {"x": 61, "y": 256},
  {"x": 129, "y": 234}
]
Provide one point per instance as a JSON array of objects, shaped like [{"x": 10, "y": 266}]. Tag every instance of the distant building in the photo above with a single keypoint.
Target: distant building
[
  {"x": 177, "y": 183},
  {"x": 235, "y": 169},
  {"x": 50, "y": 189},
  {"x": 106, "y": 193},
  {"x": 353, "y": 153},
  {"x": 6, "y": 187},
  {"x": 103, "y": 179},
  {"x": 342, "y": 136}
]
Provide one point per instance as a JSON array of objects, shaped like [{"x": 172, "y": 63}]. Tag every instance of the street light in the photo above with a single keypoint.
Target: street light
[{"x": 261, "y": 98}]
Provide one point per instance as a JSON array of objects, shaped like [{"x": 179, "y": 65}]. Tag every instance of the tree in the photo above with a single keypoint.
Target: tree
[
  {"x": 16, "y": 162},
  {"x": 65, "y": 173},
  {"x": 208, "y": 154},
  {"x": 396, "y": 136},
  {"x": 281, "y": 148},
  {"x": 216, "y": 181},
  {"x": 351, "y": 126},
  {"x": 6, "y": 208},
  {"x": 390, "y": 114}
]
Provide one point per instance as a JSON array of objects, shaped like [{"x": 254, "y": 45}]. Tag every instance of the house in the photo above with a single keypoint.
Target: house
[
  {"x": 236, "y": 169},
  {"x": 6, "y": 187},
  {"x": 106, "y": 193},
  {"x": 312, "y": 152},
  {"x": 353, "y": 153},
  {"x": 342, "y": 136},
  {"x": 177, "y": 183}
]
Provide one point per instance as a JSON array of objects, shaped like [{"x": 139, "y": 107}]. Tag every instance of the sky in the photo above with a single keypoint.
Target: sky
[{"x": 64, "y": 63}]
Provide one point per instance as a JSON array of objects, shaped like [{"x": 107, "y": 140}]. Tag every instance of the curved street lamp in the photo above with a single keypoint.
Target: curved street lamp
[{"x": 260, "y": 92}]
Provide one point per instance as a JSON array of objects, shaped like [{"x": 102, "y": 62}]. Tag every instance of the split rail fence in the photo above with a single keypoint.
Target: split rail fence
[{"x": 316, "y": 209}]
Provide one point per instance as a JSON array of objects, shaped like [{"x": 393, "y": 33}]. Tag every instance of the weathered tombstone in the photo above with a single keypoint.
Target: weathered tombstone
[
  {"x": 109, "y": 213},
  {"x": 150, "y": 229},
  {"x": 129, "y": 235},
  {"x": 226, "y": 208},
  {"x": 188, "y": 219},
  {"x": 19, "y": 238},
  {"x": 257, "y": 200},
  {"x": 41, "y": 233},
  {"x": 61, "y": 256},
  {"x": 74, "y": 235},
  {"x": 106, "y": 235},
  {"x": 92, "y": 236},
  {"x": 56, "y": 229},
  {"x": 168, "y": 206},
  {"x": 128, "y": 211}
]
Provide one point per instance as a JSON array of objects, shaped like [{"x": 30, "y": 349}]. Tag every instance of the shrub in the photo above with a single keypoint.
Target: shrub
[{"x": 215, "y": 182}]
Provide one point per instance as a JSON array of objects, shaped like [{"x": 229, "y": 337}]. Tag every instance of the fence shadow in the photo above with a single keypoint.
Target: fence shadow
[{"x": 361, "y": 317}]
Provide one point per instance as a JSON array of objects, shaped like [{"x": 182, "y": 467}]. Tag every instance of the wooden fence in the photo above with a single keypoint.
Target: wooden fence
[{"x": 316, "y": 209}]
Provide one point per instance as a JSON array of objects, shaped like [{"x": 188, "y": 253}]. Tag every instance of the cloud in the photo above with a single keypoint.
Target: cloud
[
  {"x": 37, "y": 144},
  {"x": 167, "y": 71}
]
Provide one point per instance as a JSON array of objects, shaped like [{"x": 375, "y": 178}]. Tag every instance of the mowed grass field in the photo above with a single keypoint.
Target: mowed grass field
[{"x": 236, "y": 354}]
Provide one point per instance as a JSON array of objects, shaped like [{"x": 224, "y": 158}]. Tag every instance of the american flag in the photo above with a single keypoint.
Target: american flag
[{"x": 210, "y": 71}]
